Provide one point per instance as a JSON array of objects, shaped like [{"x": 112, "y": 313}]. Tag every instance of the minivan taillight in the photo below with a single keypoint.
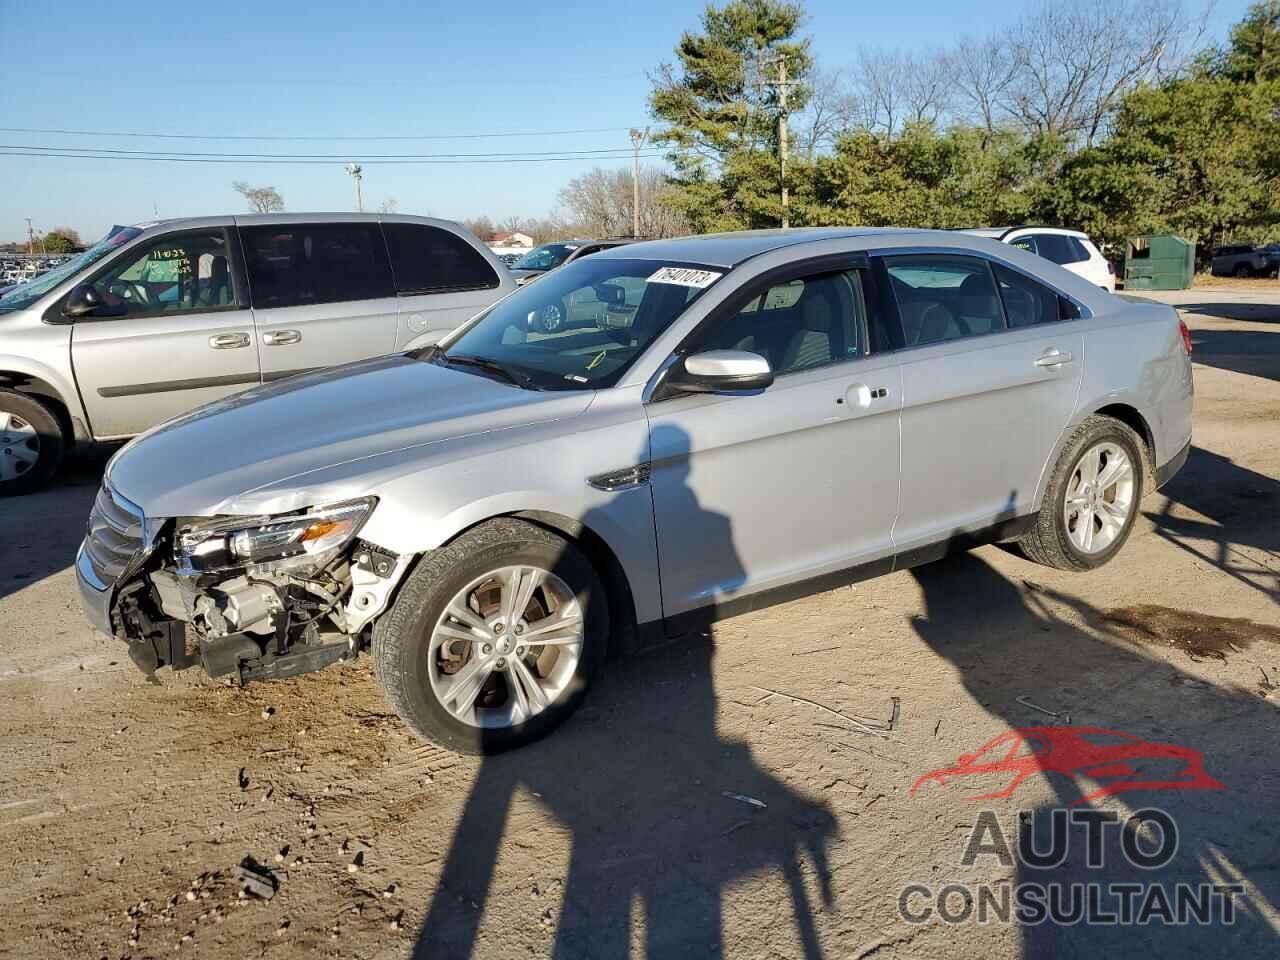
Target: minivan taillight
[
  {"x": 1186, "y": 335},
  {"x": 1111, "y": 268}
]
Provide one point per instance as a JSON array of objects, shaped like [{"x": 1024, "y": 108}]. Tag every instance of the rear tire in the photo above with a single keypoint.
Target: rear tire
[
  {"x": 411, "y": 667},
  {"x": 1082, "y": 523},
  {"x": 31, "y": 443}
]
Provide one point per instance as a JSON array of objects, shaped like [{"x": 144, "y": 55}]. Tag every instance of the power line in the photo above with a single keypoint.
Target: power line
[
  {"x": 11, "y": 152},
  {"x": 201, "y": 136},
  {"x": 620, "y": 151}
]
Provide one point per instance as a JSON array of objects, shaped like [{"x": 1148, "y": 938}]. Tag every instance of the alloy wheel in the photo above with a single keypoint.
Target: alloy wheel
[
  {"x": 506, "y": 646},
  {"x": 1099, "y": 497}
]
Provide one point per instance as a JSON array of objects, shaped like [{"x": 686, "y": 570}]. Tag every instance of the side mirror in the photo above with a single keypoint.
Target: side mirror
[
  {"x": 721, "y": 371},
  {"x": 82, "y": 301}
]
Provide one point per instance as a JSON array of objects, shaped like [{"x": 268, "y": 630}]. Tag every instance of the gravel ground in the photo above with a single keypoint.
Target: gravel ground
[{"x": 685, "y": 811}]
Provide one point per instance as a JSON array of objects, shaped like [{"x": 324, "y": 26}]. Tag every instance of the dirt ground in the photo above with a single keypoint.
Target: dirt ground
[{"x": 126, "y": 806}]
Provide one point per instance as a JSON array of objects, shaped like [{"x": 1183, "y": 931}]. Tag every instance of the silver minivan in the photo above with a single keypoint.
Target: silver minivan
[{"x": 162, "y": 317}]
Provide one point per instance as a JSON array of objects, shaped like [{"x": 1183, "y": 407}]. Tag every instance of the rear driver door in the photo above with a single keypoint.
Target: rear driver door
[{"x": 322, "y": 294}]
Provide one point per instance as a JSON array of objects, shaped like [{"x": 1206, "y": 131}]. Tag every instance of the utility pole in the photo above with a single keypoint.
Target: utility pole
[
  {"x": 784, "y": 86},
  {"x": 357, "y": 172},
  {"x": 31, "y": 238},
  {"x": 637, "y": 141}
]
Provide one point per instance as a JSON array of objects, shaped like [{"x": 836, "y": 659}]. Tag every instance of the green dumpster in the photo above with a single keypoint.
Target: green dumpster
[{"x": 1159, "y": 262}]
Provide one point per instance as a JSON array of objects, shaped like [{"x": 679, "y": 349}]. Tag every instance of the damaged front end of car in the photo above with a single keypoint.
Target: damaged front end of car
[{"x": 248, "y": 597}]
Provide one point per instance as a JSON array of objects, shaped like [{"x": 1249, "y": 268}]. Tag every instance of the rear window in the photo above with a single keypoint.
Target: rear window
[
  {"x": 1060, "y": 248},
  {"x": 944, "y": 297},
  {"x": 299, "y": 264},
  {"x": 428, "y": 259}
]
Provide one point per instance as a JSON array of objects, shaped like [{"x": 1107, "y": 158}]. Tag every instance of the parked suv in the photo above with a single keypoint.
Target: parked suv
[
  {"x": 1067, "y": 248},
  {"x": 1241, "y": 260},
  {"x": 162, "y": 317},
  {"x": 785, "y": 411}
]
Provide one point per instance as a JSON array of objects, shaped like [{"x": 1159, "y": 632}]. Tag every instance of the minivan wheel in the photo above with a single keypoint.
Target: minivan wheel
[
  {"x": 31, "y": 443},
  {"x": 493, "y": 640},
  {"x": 1091, "y": 501}
]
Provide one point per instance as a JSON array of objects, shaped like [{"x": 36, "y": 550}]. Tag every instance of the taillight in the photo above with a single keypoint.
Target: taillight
[
  {"x": 1186, "y": 335},
  {"x": 1111, "y": 268}
]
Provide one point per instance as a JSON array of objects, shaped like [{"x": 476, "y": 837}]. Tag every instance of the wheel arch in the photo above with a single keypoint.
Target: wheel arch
[
  {"x": 602, "y": 556},
  {"x": 48, "y": 394},
  {"x": 1120, "y": 410}
]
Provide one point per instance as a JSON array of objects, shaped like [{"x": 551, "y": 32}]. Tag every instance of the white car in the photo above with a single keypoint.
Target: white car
[{"x": 1070, "y": 249}]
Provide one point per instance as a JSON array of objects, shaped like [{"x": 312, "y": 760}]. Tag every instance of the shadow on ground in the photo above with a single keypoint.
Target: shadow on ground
[{"x": 42, "y": 531}]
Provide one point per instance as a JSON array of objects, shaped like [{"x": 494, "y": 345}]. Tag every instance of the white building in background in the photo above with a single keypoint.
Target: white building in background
[{"x": 508, "y": 242}]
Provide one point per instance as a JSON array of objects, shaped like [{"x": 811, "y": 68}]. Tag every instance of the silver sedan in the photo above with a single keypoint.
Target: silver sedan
[{"x": 751, "y": 417}]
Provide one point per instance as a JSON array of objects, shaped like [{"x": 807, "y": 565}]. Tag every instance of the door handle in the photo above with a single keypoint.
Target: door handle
[
  {"x": 228, "y": 341},
  {"x": 860, "y": 395},
  {"x": 1053, "y": 358},
  {"x": 277, "y": 338}
]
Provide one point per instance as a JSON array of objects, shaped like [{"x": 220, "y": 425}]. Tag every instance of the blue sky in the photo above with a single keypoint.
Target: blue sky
[{"x": 370, "y": 68}]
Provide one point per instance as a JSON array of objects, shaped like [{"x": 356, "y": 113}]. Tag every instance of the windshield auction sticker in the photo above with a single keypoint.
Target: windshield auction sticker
[{"x": 685, "y": 277}]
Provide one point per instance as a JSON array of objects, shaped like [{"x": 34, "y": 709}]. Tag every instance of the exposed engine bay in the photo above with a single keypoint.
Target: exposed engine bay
[{"x": 257, "y": 598}]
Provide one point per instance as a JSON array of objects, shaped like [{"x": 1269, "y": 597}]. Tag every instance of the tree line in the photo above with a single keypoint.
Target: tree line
[{"x": 1107, "y": 115}]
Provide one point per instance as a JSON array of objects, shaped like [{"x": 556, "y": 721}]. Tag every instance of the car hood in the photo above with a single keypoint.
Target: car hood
[{"x": 213, "y": 459}]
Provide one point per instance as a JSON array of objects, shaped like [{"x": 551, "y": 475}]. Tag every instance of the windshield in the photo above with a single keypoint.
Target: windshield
[
  {"x": 545, "y": 257},
  {"x": 582, "y": 326},
  {"x": 29, "y": 293}
]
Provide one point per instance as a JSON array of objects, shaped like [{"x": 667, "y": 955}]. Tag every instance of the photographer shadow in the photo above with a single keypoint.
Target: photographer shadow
[{"x": 663, "y": 815}]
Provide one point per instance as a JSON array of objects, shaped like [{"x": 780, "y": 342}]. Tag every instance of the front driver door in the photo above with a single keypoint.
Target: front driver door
[
  {"x": 175, "y": 333},
  {"x": 757, "y": 492}
]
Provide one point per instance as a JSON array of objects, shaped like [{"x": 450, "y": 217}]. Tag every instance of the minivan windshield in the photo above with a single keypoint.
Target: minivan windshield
[
  {"x": 29, "y": 293},
  {"x": 580, "y": 327}
]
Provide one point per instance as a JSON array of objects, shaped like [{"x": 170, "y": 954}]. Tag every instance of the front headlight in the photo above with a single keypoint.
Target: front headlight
[{"x": 310, "y": 537}]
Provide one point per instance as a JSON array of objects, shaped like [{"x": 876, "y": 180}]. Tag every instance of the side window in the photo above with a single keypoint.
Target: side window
[
  {"x": 293, "y": 265},
  {"x": 1027, "y": 302},
  {"x": 943, "y": 297},
  {"x": 431, "y": 260},
  {"x": 1059, "y": 248},
  {"x": 1027, "y": 243},
  {"x": 796, "y": 325},
  {"x": 177, "y": 273}
]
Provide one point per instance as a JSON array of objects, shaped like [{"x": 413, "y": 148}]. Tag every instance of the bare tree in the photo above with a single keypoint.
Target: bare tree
[
  {"x": 834, "y": 106},
  {"x": 880, "y": 78},
  {"x": 980, "y": 73},
  {"x": 1075, "y": 62},
  {"x": 260, "y": 199},
  {"x": 928, "y": 92},
  {"x": 600, "y": 201},
  {"x": 482, "y": 227}
]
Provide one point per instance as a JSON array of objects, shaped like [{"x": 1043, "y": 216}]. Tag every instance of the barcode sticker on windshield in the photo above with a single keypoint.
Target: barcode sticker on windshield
[{"x": 686, "y": 277}]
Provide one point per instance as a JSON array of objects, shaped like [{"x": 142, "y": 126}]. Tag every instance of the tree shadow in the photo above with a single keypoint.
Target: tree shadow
[
  {"x": 1007, "y": 643},
  {"x": 1231, "y": 498},
  {"x": 1255, "y": 352},
  {"x": 658, "y": 808}
]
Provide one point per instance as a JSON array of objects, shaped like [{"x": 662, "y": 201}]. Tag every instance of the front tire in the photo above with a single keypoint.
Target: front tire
[
  {"x": 1091, "y": 501},
  {"x": 31, "y": 443},
  {"x": 494, "y": 639}
]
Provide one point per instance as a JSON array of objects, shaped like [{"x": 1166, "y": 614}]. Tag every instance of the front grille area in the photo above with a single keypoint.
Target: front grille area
[{"x": 115, "y": 535}]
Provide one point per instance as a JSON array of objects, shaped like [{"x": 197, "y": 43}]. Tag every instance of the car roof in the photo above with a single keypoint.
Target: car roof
[
  {"x": 731, "y": 249},
  {"x": 252, "y": 219},
  {"x": 1000, "y": 233}
]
